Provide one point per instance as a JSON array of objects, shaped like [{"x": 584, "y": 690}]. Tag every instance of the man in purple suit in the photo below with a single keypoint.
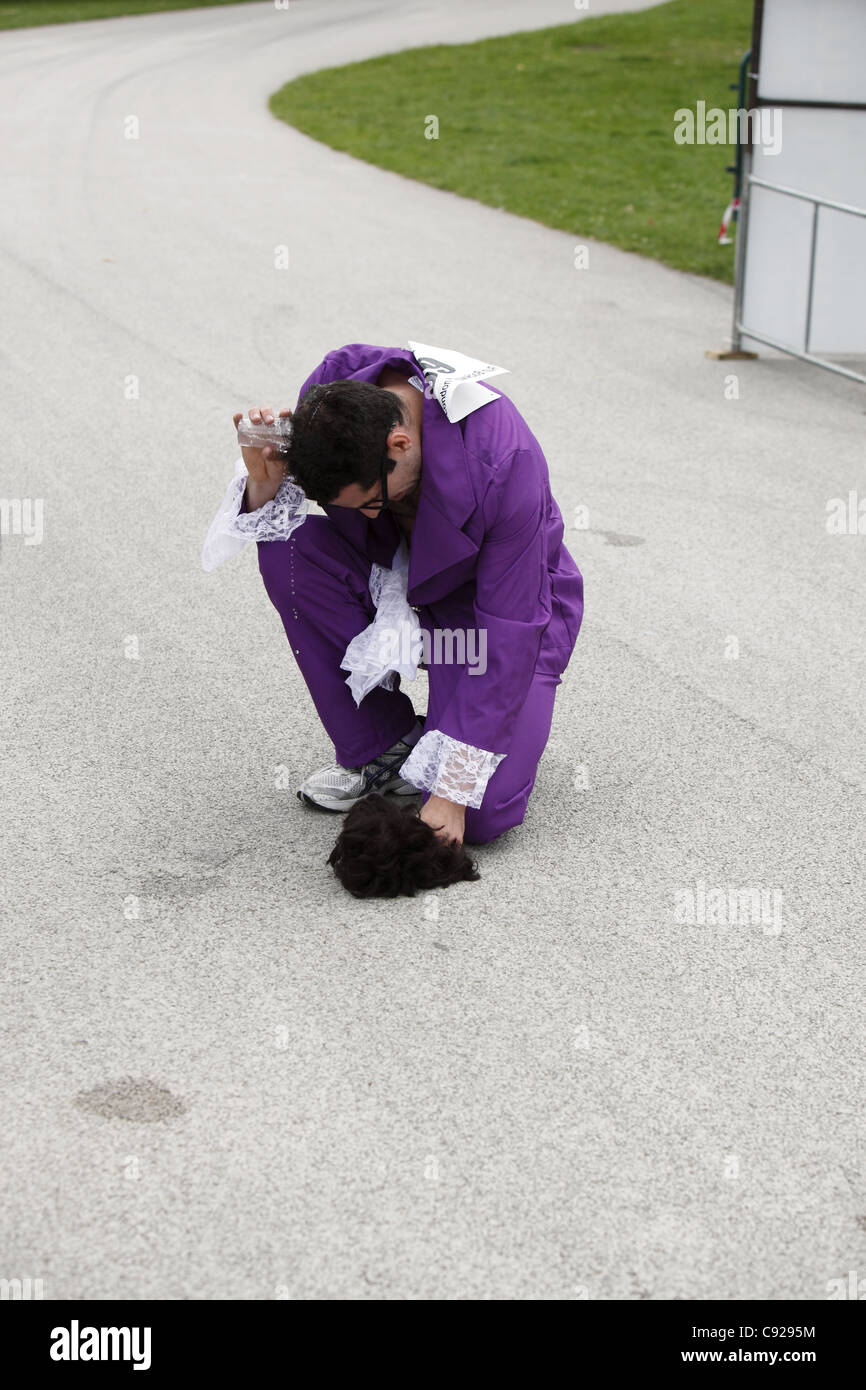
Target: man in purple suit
[{"x": 441, "y": 545}]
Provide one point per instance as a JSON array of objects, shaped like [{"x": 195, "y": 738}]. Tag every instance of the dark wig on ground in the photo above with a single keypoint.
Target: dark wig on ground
[
  {"x": 340, "y": 436},
  {"x": 384, "y": 850}
]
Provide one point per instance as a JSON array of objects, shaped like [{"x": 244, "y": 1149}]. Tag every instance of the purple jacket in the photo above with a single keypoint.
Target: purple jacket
[{"x": 486, "y": 548}]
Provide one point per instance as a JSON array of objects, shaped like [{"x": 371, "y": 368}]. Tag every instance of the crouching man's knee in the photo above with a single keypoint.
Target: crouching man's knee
[{"x": 491, "y": 819}]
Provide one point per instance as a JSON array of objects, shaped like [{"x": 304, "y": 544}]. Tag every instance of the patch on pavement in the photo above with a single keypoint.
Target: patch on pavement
[
  {"x": 142, "y": 1101},
  {"x": 618, "y": 538}
]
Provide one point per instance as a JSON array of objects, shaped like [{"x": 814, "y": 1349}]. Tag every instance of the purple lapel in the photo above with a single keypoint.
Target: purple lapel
[{"x": 447, "y": 500}]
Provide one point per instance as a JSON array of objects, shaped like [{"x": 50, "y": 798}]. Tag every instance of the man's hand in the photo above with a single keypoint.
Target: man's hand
[
  {"x": 447, "y": 818},
  {"x": 265, "y": 466}
]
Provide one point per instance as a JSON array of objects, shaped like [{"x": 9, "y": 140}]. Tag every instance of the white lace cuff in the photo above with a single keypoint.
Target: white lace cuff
[
  {"x": 445, "y": 767},
  {"x": 231, "y": 528}
]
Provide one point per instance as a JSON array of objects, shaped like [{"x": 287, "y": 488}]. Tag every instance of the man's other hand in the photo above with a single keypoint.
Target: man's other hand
[{"x": 447, "y": 818}]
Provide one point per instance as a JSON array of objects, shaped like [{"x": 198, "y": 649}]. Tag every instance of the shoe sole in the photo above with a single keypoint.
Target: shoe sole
[{"x": 341, "y": 804}]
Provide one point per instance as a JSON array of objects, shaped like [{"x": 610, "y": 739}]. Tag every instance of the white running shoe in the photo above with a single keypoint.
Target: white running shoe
[{"x": 337, "y": 788}]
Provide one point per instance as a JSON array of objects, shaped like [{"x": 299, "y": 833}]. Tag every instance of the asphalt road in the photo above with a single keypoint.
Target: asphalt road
[{"x": 222, "y": 1077}]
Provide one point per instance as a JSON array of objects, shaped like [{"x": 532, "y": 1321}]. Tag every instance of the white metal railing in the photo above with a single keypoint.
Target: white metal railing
[{"x": 742, "y": 330}]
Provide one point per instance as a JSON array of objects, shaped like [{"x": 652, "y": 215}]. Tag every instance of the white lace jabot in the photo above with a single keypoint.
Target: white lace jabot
[{"x": 387, "y": 646}]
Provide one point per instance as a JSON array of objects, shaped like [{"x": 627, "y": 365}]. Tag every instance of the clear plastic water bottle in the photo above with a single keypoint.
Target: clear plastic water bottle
[{"x": 256, "y": 436}]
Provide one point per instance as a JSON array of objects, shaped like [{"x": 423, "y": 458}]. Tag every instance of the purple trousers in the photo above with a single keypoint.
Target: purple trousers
[{"x": 319, "y": 584}]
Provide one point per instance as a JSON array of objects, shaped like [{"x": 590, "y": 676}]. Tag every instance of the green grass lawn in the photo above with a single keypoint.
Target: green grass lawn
[
  {"x": 572, "y": 126},
  {"x": 27, "y": 13}
]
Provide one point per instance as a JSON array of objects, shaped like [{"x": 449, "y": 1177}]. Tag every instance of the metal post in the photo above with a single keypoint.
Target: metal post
[
  {"x": 741, "y": 98},
  {"x": 815, "y": 207},
  {"x": 740, "y": 251}
]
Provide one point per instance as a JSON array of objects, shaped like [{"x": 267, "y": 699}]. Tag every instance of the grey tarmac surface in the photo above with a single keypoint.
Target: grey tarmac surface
[{"x": 221, "y": 1076}]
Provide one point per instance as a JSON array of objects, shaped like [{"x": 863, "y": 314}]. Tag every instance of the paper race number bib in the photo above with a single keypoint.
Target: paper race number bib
[{"x": 455, "y": 379}]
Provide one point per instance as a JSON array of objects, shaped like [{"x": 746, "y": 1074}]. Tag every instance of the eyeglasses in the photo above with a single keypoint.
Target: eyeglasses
[
  {"x": 377, "y": 506},
  {"x": 383, "y": 504}
]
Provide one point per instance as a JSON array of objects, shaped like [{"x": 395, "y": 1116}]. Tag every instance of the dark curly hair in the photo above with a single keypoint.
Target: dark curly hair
[
  {"x": 384, "y": 850},
  {"x": 340, "y": 436}
]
